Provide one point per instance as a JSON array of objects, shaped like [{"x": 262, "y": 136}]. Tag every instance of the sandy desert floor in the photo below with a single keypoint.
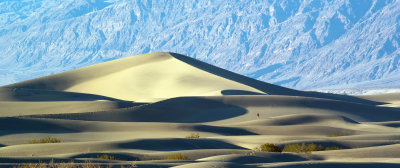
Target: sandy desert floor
[{"x": 140, "y": 109}]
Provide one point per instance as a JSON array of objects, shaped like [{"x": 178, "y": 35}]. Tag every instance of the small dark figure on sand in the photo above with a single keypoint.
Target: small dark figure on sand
[{"x": 258, "y": 115}]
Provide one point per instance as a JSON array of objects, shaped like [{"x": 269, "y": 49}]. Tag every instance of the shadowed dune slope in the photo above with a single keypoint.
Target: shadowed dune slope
[
  {"x": 388, "y": 151},
  {"x": 238, "y": 108},
  {"x": 23, "y": 94},
  {"x": 388, "y": 97},
  {"x": 159, "y": 144},
  {"x": 21, "y": 108}
]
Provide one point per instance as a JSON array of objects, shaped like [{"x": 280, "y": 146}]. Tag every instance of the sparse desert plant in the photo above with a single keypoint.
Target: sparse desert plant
[
  {"x": 250, "y": 153},
  {"x": 106, "y": 157},
  {"x": 45, "y": 140},
  {"x": 268, "y": 148},
  {"x": 307, "y": 148},
  {"x": 193, "y": 136},
  {"x": 337, "y": 134},
  {"x": 332, "y": 148},
  {"x": 235, "y": 152},
  {"x": 313, "y": 147},
  {"x": 177, "y": 156},
  {"x": 302, "y": 148}
]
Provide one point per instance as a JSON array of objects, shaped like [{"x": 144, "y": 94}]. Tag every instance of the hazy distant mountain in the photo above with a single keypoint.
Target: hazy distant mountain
[{"x": 307, "y": 45}]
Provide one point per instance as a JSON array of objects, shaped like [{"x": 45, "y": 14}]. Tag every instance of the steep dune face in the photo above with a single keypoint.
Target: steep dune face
[{"x": 91, "y": 111}]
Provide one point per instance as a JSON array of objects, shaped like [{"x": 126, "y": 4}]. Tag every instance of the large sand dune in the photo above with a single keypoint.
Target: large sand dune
[{"x": 141, "y": 108}]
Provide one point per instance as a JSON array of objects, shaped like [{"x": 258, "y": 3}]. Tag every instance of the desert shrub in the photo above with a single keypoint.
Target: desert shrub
[
  {"x": 307, "y": 148},
  {"x": 106, "y": 157},
  {"x": 337, "y": 134},
  {"x": 302, "y": 148},
  {"x": 332, "y": 148},
  {"x": 45, "y": 140},
  {"x": 235, "y": 152},
  {"x": 193, "y": 136},
  {"x": 314, "y": 147},
  {"x": 176, "y": 156},
  {"x": 268, "y": 148}
]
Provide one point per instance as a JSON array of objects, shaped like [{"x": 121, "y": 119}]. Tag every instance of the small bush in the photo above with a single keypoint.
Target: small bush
[
  {"x": 337, "y": 134},
  {"x": 307, "y": 148},
  {"x": 193, "y": 136},
  {"x": 332, "y": 148},
  {"x": 177, "y": 156},
  {"x": 45, "y": 140},
  {"x": 303, "y": 148},
  {"x": 250, "y": 153},
  {"x": 268, "y": 148},
  {"x": 235, "y": 152},
  {"x": 106, "y": 157}
]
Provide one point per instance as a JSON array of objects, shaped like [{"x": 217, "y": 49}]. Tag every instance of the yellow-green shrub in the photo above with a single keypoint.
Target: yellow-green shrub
[
  {"x": 176, "y": 156},
  {"x": 193, "y": 136},
  {"x": 302, "y": 148},
  {"x": 268, "y": 148},
  {"x": 332, "y": 148},
  {"x": 107, "y": 157},
  {"x": 307, "y": 148},
  {"x": 45, "y": 140},
  {"x": 337, "y": 134}
]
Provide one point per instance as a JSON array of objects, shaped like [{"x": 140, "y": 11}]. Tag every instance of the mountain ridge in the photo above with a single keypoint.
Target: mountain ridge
[{"x": 304, "y": 45}]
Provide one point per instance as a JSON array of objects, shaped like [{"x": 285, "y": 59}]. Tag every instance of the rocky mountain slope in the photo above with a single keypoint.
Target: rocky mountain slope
[{"x": 312, "y": 44}]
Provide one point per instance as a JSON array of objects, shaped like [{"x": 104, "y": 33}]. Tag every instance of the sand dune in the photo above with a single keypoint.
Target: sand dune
[
  {"x": 160, "y": 75},
  {"x": 141, "y": 108},
  {"x": 142, "y": 77}
]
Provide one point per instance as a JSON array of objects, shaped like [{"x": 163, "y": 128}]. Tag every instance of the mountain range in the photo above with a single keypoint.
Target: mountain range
[{"x": 307, "y": 45}]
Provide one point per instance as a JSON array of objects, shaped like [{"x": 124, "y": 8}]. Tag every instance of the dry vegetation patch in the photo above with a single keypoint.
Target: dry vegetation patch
[
  {"x": 177, "y": 156},
  {"x": 307, "y": 148},
  {"x": 268, "y": 148},
  {"x": 332, "y": 148},
  {"x": 107, "y": 157},
  {"x": 337, "y": 134},
  {"x": 45, "y": 140},
  {"x": 193, "y": 136}
]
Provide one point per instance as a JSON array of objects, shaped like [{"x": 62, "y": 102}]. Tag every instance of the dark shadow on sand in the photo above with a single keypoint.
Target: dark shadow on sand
[
  {"x": 227, "y": 131},
  {"x": 12, "y": 125},
  {"x": 118, "y": 156},
  {"x": 176, "y": 144},
  {"x": 176, "y": 110},
  {"x": 367, "y": 112},
  {"x": 25, "y": 94},
  {"x": 266, "y": 87},
  {"x": 239, "y": 92}
]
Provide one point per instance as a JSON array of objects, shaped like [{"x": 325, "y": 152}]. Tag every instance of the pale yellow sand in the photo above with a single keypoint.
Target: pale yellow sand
[{"x": 141, "y": 108}]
